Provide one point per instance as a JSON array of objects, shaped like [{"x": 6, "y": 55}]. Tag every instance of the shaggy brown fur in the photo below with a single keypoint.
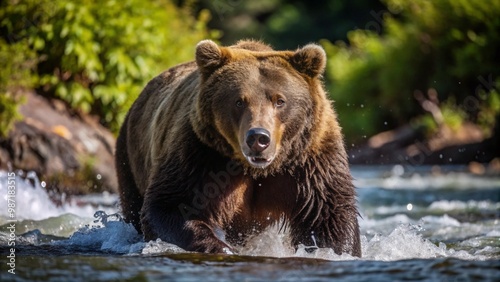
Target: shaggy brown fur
[{"x": 187, "y": 167}]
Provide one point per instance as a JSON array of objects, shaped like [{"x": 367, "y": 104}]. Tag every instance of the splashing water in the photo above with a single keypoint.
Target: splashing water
[
  {"x": 111, "y": 235},
  {"x": 449, "y": 219},
  {"x": 35, "y": 204}
]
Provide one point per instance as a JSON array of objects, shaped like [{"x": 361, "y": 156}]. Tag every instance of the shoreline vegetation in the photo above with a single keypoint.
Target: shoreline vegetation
[{"x": 414, "y": 83}]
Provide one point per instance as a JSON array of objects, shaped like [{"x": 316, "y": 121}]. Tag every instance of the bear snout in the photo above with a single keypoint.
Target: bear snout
[
  {"x": 258, "y": 139},
  {"x": 259, "y": 150}
]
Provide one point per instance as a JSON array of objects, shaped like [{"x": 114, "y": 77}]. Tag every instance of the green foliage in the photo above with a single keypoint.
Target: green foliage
[
  {"x": 287, "y": 24},
  {"x": 426, "y": 124},
  {"x": 98, "y": 55},
  {"x": 449, "y": 45},
  {"x": 8, "y": 113},
  {"x": 490, "y": 109},
  {"x": 17, "y": 62},
  {"x": 453, "y": 115}
]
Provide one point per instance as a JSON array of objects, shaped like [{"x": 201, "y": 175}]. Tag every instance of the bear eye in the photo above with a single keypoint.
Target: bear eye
[
  {"x": 239, "y": 103},
  {"x": 280, "y": 103}
]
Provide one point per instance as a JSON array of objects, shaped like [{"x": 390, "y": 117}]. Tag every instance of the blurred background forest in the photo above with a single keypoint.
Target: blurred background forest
[{"x": 409, "y": 78}]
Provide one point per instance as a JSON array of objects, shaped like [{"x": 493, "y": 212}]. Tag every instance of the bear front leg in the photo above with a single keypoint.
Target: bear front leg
[
  {"x": 159, "y": 221},
  {"x": 204, "y": 239},
  {"x": 326, "y": 225}
]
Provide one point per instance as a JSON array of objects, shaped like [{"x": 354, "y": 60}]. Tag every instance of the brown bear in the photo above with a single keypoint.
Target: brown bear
[{"x": 244, "y": 137}]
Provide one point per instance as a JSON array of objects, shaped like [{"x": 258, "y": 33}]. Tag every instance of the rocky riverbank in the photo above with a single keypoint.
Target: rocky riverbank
[
  {"x": 71, "y": 152},
  {"x": 410, "y": 146}
]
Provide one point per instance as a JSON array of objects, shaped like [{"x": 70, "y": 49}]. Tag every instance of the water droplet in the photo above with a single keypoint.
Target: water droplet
[
  {"x": 450, "y": 160},
  {"x": 362, "y": 106},
  {"x": 43, "y": 184},
  {"x": 398, "y": 170},
  {"x": 385, "y": 122},
  {"x": 440, "y": 156},
  {"x": 260, "y": 184},
  {"x": 98, "y": 177},
  {"x": 409, "y": 207}
]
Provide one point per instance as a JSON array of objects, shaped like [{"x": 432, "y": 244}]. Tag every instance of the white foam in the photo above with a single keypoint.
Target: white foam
[
  {"x": 160, "y": 247},
  {"x": 494, "y": 233},
  {"x": 444, "y": 220},
  {"x": 270, "y": 242},
  {"x": 404, "y": 242},
  {"x": 113, "y": 236},
  {"x": 401, "y": 243},
  {"x": 385, "y": 225},
  {"x": 418, "y": 181},
  {"x": 487, "y": 251},
  {"x": 445, "y": 205},
  {"x": 33, "y": 201}
]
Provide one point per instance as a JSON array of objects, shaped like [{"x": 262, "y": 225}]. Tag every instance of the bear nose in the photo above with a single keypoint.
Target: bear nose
[{"x": 258, "y": 139}]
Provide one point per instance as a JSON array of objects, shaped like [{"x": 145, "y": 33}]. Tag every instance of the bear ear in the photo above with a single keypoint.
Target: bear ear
[
  {"x": 209, "y": 56},
  {"x": 310, "y": 60}
]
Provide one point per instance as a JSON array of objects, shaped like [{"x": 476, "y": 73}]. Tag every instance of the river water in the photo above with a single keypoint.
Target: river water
[{"x": 417, "y": 224}]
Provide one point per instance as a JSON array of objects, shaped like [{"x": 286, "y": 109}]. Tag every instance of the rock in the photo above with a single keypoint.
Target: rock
[
  {"x": 494, "y": 166},
  {"x": 477, "y": 168},
  {"x": 409, "y": 146},
  {"x": 72, "y": 152}
]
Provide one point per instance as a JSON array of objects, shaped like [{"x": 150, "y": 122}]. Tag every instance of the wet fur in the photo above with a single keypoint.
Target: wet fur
[{"x": 168, "y": 147}]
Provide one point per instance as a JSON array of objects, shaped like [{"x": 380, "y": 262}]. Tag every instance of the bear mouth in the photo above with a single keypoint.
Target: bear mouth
[{"x": 259, "y": 162}]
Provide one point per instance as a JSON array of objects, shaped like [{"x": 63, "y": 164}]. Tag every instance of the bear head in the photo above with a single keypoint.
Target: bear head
[{"x": 258, "y": 105}]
